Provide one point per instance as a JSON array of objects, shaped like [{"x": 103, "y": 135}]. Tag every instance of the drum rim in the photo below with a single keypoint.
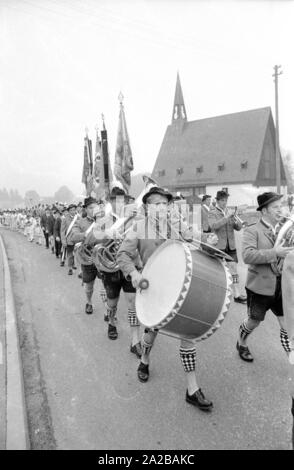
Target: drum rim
[
  {"x": 185, "y": 286},
  {"x": 226, "y": 304}
]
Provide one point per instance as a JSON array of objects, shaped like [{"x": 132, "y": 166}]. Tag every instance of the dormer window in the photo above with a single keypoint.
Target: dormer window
[
  {"x": 180, "y": 171},
  {"x": 221, "y": 167},
  {"x": 199, "y": 169},
  {"x": 161, "y": 172},
  {"x": 244, "y": 165}
]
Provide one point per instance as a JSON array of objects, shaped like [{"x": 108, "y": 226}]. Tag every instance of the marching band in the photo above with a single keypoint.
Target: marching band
[{"x": 122, "y": 253}]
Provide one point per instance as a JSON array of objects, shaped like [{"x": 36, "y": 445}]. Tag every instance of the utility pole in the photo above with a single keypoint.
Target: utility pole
[{"x": 278, "y": 166}]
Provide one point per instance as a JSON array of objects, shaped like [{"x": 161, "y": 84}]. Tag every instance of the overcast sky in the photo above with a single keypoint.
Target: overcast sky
[{"x": 64, "y": 62}]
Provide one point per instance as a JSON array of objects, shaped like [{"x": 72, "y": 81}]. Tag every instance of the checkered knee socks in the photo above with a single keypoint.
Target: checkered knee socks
[
  {"x": 188, "y": 359},
  {"x": 132, "y": 318},
  {"x": 285, "y": 341},
  {"x": 235, "y": 278}
]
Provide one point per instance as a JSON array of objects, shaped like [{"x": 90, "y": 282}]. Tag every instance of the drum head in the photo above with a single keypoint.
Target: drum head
[{"x": 166, "y": 271}]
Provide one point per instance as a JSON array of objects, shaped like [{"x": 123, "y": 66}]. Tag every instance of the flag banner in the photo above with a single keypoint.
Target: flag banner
[
  {"x": 87, "y": 176},
  {"x": 90, "y": 155},
  {"x": 123, "y": 161},
  {"x": 97, "y": 164},
  {"x": 86, "y": 165},
  {"x": 105, "y": 173}
]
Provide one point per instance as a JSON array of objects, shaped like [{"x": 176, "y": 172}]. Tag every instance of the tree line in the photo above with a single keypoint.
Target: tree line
[{"x": 12, "y": 199}]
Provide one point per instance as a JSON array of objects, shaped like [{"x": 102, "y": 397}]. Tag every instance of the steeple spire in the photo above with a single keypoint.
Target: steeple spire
[{"x": 179, "y": 110}]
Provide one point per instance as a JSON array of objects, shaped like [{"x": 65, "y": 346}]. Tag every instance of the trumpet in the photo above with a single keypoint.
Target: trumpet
[{"x": 238, "y": 219}]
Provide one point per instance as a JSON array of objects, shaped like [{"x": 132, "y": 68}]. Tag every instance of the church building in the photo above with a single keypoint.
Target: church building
[{"x": 235, "y": 152}]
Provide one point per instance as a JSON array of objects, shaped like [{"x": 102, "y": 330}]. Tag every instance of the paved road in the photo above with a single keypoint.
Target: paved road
[
  {"x": 2, "y": 359},
  {"x": 82, "y": 390}
]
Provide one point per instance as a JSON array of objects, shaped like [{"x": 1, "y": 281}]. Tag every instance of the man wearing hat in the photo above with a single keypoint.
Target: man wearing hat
[
  {"x": 80, "y": 231},
  {"x": 67, "y": 224},
  {"x": 205, "y": 208},
  {"x": 263, "y": 285},
  {"x": 223, "y": 225},
  {"x": 139, "y": 244},
  {"x": 115, "y": 282}
]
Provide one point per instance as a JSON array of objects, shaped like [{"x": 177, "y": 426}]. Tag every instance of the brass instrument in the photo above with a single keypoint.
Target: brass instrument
[
  {"x": 237, "y": 219},
  {"x": 286, "y": 238},
  {"x": 104, "y": 255},
  {"x": 83, "y": 251}
]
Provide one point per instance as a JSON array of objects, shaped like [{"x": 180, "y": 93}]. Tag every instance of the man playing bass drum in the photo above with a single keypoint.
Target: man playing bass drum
[{"x": 147, "y": 234}]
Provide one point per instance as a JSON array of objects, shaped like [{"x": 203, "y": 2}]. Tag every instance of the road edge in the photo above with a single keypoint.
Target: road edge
[{"x": 17, "y": 436}]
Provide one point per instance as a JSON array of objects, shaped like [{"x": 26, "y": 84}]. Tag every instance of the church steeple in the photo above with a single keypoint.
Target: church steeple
[{"x": 179, "y": 110}]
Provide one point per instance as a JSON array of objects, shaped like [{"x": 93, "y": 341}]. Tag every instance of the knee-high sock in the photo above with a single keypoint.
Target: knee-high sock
[
  {"x": 132, "y": 317},
  {"x": 188, "y": 358},
  {"x": 103, "y": 295},
  {"x": 244, "y": 331},
  {"x": 89, "y": 288},
  {"x": 285, "y": 341},
  {"x": 111, "y": 311},
  {"x": 147, "y": 342}
]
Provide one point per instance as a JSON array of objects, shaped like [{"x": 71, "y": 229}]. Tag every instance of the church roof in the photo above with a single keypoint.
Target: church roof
[{"x": 216, "y": 150}]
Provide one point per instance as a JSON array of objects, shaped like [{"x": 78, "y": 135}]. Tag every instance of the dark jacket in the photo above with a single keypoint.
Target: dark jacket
[
  {"x": 49, "y": 226},
  {"x": 56, "y": 228}
]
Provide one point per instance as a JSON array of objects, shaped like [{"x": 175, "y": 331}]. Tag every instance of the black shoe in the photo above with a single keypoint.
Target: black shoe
[
  {"x": 198, "y": 399},
  {"x": 112, "y": 332},
  {"x": 89, "y": 309},
  {"x": 62, "y": 263},
  {"x": 136, "y": 349},
  {"x": 70, "y": 272},
  {"x": 106, "y": 317},
  {"x": 74, "y": 267},
  {"x": 143, "y": 372},
  {"x": 80, "y": 276},
  {"x": 241, "y": 299},
  {"x": 244, "y": 352}
]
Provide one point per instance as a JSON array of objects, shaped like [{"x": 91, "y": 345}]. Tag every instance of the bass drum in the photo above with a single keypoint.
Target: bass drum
[{"x": 189, "y": 292}]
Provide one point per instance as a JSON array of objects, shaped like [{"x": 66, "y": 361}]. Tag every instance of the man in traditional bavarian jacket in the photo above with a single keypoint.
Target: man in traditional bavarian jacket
[
  {"x": 115, "y": 282},
  {"x": 223, "y": 225},
  {"x": 138, "y": 245},
  {"x": 79, "y": 234},
  {"x": 263, "y": 284}
]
